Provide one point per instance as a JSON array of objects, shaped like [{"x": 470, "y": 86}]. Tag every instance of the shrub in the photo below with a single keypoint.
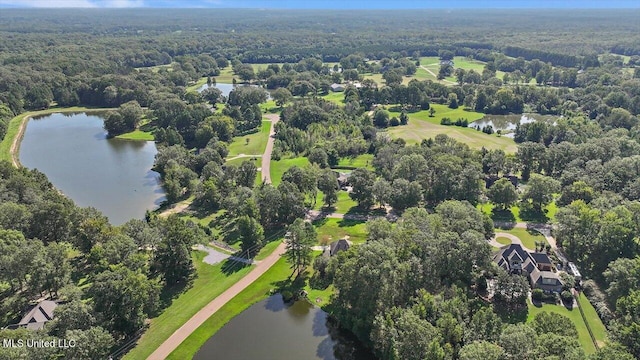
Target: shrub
[
  {"x": 566, "y": 296},
  {"x": 537, "y": 294},
  {"x": 394, "y": 121},
  {"x": 598, "y": 300},
  {"x": 445, "y": 121}
]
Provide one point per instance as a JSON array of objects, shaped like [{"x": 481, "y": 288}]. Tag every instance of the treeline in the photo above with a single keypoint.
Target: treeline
[{"x": 553, "y": 58}]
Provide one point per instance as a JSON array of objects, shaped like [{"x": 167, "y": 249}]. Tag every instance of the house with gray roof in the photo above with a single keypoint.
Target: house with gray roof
[
  {"x": 337, "y": 246},
  {"x": 536, "y": 266},
  {"x": 38, "y": 316}
]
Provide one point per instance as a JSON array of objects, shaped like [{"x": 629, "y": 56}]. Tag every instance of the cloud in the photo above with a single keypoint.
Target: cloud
[
  {"x": 49, "y": 3},
  {"x": 73, "y": 3}
]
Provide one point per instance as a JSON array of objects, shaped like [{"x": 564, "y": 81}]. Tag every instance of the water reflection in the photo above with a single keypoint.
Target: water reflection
[
  {"x": 272, "y": 329},
  {"x": 509, "y": 122}
]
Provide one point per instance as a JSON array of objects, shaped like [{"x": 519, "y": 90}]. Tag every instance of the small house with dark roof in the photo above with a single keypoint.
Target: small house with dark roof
[
  {"x": 38, "y": 316},
  {"x": 536, "y": 266},
  {"x": 337, "y": 246}
]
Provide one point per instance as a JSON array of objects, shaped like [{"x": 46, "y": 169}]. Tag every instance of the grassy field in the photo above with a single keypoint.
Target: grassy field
[
  {"x": 210, "y": 283},
  {"x": 335, "y": 97},
  {"x": 574, "y": 315},
  {"x": 360, "y": 161},
  {"x": 516, "y": 214},
  {"x": 278, "y": 168},
  {"x": 14, "y": 125},
  {"x": 330, "y": 230},
  {"x": 238, "y": 161},
  {"x": 137, "y": 135},
  {"x": 257, "y": 142},
  {"x": 258, "y": 290},
  {"x": 197, "y": 85},
  {"x": 528, "y": 237},
  {"x": 342, "y": 206},
  {"x": 421, "y": 127},
  {"x": 596, "y": 325}
]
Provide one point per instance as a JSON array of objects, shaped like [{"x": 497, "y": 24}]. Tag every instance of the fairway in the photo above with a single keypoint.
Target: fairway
[
  {"x": 421, "y": 127},
  {"x": 256, "y": 145}
]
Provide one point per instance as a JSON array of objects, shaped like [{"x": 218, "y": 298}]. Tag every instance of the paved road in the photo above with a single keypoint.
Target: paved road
[
  {"x": 266, "y": 157},
  {"x": 201, "y": 316}
]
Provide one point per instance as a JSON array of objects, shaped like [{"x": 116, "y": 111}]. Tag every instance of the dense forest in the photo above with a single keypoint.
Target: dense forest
[{"x": 416, "y": 289}]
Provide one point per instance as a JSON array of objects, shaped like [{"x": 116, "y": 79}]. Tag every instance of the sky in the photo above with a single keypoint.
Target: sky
[{"x": 325, "y": 4}]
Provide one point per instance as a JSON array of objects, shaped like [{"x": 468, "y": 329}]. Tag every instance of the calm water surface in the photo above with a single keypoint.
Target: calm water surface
[
  {"x": 509, "y": 122},
  {"x": 274, "y": 330},
  {"x": 111, "y": 175},
  {"x": 224, "y": 88}
]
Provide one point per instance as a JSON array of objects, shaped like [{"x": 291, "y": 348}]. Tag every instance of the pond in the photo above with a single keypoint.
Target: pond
[
  {"x": 224, "y": 88},
  {"x": 507, "y": 123},
  {"x": 111, "y": 175},
  {"x": 272, "y": 329}
]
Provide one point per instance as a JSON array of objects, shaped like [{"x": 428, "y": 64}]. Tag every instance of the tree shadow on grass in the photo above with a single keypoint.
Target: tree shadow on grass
[
  {"x": 350, "y": 222},
  {"x": 231, "y": 266},
  {"x": 531, "y": 214},
  {"x": 503, "y": 215},
  {"x": 511, "y": 315},
  {"x": 170, "y": 293}
]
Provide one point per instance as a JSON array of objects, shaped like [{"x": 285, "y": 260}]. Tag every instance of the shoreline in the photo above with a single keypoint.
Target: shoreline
[{"x": 14, "y": 150}]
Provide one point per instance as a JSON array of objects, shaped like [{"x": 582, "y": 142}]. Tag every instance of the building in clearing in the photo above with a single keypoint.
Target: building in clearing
[
  {"x": 38, "y": 316},
  {"x": 337, "y": 246},
  {"x": 537, "y": 267},
  {"x": 337, "y": 87}
]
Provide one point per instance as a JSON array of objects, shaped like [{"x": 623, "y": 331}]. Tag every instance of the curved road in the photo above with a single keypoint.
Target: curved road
[{"x": 201, "y": 316}]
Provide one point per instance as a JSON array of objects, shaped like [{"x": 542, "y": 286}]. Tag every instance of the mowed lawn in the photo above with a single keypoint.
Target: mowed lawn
[
  {"x": 210, "y": 283},
  {"x": 256, "y": 145},
  {"x": 596, "y": 325},
  {"x": 421, "y": 127},
  {"x": 574, "y": 314},
  {"x": 258, "y": 290},
  {"x": 137, "y": 134},
  {"x": 528, "y": 237},
  {"x": 278, "y": 168},
  {"x": 342, "y": 206},
  {"x": 516, "y": 214},
  {"x": 330, "y": 230},
  {"x": 360, "y": 161}
]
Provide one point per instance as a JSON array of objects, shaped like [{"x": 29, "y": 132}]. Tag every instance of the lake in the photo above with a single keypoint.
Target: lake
[
  {"x": 111, "y": 175},
  {"x": 508, "y": 123},
  {"x": 272, "y": 329},
  {"x": 224, "y": 88}
]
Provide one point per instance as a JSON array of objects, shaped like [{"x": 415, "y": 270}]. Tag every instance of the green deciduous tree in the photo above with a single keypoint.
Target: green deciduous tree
[
  {"x": 540, "y": 190},
  {"x": 123, "y": 299},
  {"x": 250, "y": 233},
  {"x": 503, "y": 193},
  {"x": 301, "y": 237}
]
